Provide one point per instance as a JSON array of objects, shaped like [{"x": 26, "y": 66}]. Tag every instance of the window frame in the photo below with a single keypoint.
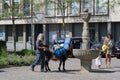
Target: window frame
[
  {"x": 103, "y": 13},
  {"x": 48, "y": 10},
  {"x": 70, "y": 9},
  {"x": 9, "y": 35},
  {"x": 19, "y": 33},
  {"x": 28, "y": 9},
  {"x": 85, "y": 7}
]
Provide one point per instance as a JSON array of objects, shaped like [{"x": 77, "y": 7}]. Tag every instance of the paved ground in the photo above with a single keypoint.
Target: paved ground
[{"x": 72, "y": 73}]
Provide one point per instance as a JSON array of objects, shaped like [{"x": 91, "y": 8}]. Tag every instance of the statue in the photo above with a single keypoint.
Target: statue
[{"x": 85, "y": 34}]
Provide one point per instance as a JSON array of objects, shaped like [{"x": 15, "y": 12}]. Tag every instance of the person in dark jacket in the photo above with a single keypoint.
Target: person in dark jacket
[{"x": 40, "y": 52}]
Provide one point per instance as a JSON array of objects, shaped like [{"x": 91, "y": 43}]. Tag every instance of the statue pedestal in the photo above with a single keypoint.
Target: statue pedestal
[{"x": 86, "y": 57}]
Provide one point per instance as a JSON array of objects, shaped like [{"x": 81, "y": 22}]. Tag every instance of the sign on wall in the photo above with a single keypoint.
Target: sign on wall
[{"x": 1, "y": 35}]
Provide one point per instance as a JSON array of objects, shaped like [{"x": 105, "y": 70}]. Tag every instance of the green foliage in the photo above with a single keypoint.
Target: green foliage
[
  {"x": 26, "y": 52},
  {"x": 3, "y": 51},
  {"x": 16, "y": 60},
  {"x": 24, "y": 57},
  {"x": 11, "y": 11},
  {"x": 20, "y": 60},
  {"x": 27, "y": 59},
  {"x": 3, "y": 61}
]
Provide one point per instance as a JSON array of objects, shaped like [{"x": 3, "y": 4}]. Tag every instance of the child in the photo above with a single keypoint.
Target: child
[
  {"x": 98, "y": 60},
  {"x": 104, "y": 47}
]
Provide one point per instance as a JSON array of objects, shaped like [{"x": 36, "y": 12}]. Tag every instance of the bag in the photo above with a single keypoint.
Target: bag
[
  {"x": 60, "y": 51},
  {"x": 67, "y": 43},
  {"x": 104, "y": 48},
  {"x": 98, "y": 61}
]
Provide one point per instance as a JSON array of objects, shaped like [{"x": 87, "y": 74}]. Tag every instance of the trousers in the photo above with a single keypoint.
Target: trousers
[{"x": 39, "y": 59}]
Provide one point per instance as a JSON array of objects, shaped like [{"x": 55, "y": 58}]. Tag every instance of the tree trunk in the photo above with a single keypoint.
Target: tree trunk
[
  {"x": 14, "y": 35},
  {"x": 13, "y": 21},
  {"x": 63, "y": 25}
]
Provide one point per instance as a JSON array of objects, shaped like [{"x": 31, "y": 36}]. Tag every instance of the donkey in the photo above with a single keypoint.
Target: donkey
[
  {"x": 62, "y": 58},
  {"x": 61, "y": 54}
]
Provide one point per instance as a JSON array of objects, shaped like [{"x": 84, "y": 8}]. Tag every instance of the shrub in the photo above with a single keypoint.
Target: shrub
[
  {"x": 3, "y": 61},
  {"x": 27, "y": 59},
  {"x": 17, "y": 60},
  {"x": 14, "y": 60},
  {"x": 3, "y": 52},
  {"x": 26, "y": 52}
]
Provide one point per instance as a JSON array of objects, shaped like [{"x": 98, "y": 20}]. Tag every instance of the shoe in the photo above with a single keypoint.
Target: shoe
[
  {"x": 42, "y": 70},
  {"x": 32, "y": 68}
]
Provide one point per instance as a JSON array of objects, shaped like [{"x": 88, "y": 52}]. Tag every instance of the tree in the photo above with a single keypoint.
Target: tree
[
  {"x": 12, "y": 10},
  {"x": 113, "y": 3},
  {"x": 62, "y": 5}
]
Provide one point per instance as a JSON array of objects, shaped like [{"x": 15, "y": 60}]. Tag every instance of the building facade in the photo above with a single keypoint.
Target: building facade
[{"x": 105, "y": 19}]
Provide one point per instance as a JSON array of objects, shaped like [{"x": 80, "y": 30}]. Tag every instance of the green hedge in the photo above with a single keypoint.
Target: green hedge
[
  {"x": 26, "y": 52},
  {"x": 3, "y": 51},
  {"x": 17, "y": 60},
  {"x": 23, "y": 57}
]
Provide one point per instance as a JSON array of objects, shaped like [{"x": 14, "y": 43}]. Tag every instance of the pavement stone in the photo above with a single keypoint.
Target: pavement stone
[{"x": 72, "y": 73}]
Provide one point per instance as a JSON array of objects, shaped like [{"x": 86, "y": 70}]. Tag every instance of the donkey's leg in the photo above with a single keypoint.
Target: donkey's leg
[
  {"x": 64, "y": 58},
  {"x": 60, "y": 65},
  {"x": 48, "y": 66},
  {"x": 64, "y": 65}
]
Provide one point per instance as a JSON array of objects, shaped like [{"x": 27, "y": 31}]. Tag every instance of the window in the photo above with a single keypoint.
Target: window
[
  {"x": 92, "y": 32},
  {"x": 28, "y": 32},
  {"x": 9, "y": 36},
  {"x": 19, "y": 33},
  {"x": 101, "y": 7},
  {"x": 53, "y": 32},
  {"x": 74, "y": 8},
  {"x": 50, "y": 9},
  {"x": 6, "y": 5},
  {"x": 26, "y": 7},
  {"x": 95, "y": 7},
  {"x": 87, "y": 4},
  {"x": 16, "y": 6},
  {"x": 61, "y": 7}
]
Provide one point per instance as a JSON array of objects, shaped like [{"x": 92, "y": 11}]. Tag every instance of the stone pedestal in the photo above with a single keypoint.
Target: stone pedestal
[
  {"x": 86, "y": 57},
  {"x": 86, "y": 65}
]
